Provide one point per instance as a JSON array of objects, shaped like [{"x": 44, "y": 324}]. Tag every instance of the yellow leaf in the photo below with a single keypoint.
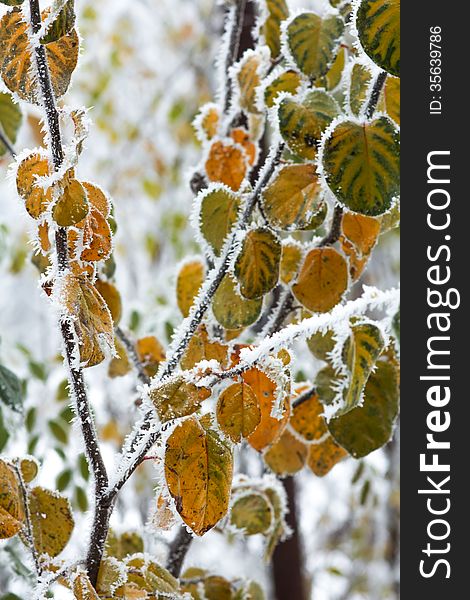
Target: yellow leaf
[
  {"x": 52, "y": 521},
  {"x": 242, "y": 137},
  {"x": 257, "y": 265},
  {"x": 293, "y": 200},
  {"x": 97, "y": 237},
  {"x": 324, "y": 456},
  {"x": 219, "y": 213},
  {"x": 230, "y": 309},
  {"x": 82, "y": 588},
  {"x": 150, "y": 353},
  {"x": 361, "y": 77},
  {"x": 10, "y": 120},
  {"x": 190, "y": 279},
  {"x": 163, "y": 518},
  {"x": 15, "y": 58},
  {"x": 122, "y": 545},
  {"x": 29, "y": 469},
  {"x": 249, "y": 78},
  {"x": 201, "y": 347},
  {"x": 147, "y": 575},
  {"x": 226, "y": 164},
  {"x": 36, "y": 199},
  {"x": 112, "y": 297},
  {"x": 238, "y": 411},
  {"x": 307, "y": 419},
  {"x": 361, "y": 230},
  {"x": 198, "y": 471},
  {"x": 97, "y": 198},
  {"x": 269, "y": 429},
  {"x": 177, "y": 398},
  {"x": 391, "y": 94},
  {"x": 92, "y": 319},
  {"x": 287, "y": 455},
  {"x": 11, "y": 509},
  {"x": 291, "y": 258},
  {"x": 72, "y": 207},
  {"x": 120, "y": 364},
  {"x": 322, "y": 280},
  {"x": 288, "y": 81},
  {"x": 207, "y": 122},
  {"x": 277, "y": 11}
]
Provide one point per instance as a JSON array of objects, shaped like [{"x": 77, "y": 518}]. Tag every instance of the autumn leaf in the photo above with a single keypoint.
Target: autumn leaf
[
  {"x": 198, "y": 471},
  {"x": 177, "y": 398},
  {"x": 238, "y": 411},
  {"x": 287, "y": 455},
  {"x": 226, "y": 164},
  {"x": 52, "y": 521},
  {"x": 150, "y": 353},
  {"x": 11, "y": 509},
  {"x": 190, "y": 279},
  {"x": 35, "y": 197},
  {"x": 252, "y": 513}
]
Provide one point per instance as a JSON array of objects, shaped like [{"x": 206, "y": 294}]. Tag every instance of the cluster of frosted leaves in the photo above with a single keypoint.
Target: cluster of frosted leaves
[
  {"x": 52, "y": 521},
  {"x": 363, "y": 391},
  {"x": 202, "y": 584},
  {"x": 17, "y": 64}
]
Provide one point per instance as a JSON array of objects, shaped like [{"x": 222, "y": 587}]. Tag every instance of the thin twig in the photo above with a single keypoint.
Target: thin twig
[
  {"x": 234, "y": 45},
  {"x": 131, "y": 351},
  {"x": 335, "y": 229},
  {"x": 6, "y": 142},
  {"x": 78, "y": 387},
  {"x": 304, "y": 397},
  {"x": 375, "y": 94}
]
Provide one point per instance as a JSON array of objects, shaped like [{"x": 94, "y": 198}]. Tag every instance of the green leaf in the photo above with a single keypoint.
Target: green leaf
[
  {"x": 324, "y": 384},
  {"x": 271, "y": 29},
  {"x": 252, "y": 513},
  {"x": 81, "y": 499},
  {"x": 378, "y": 26},
  {"x": 120, "y": 546},
  {"x": 313, "y": 42},
  {"x": 362, "y": 165},
  {"x": 63, "y": 480},
  {"x": 62, "y": 24},
  {"x": 12, "y": 2},
  {"x": 361, "y": 78},
  {"x": 58, "y": 431},
  {"x": 219, "y": 213},
  {"x": 177, "y": 398},
  {"x": 257, "y": 265},
  {"x": 361, "y": 351},
  {"x": 302, "y": 124},
  {"x": 230, "y": 309},
  {"x": 321, "y": 344},
  {"x": 368, "y": 427},
  {"x": 292, "y": 200},
  {"x": 10, "y": 120},
  {"x": 4, "y": 435},
  {"x": 11, "y": 392},
  {"x": 83, "y": 467}
]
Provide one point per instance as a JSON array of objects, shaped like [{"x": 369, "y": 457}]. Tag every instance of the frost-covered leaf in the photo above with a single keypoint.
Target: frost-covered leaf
[
  {"x": 238, "y": 411},
  {"x": 226, "y": 164},
  {"x": 98, "y": 244},
  {"x": 207, "y": 122},
  {"x": 302, "y": 124},
  {"x": 112, "y": 297},
  {"x": 287, "y": 455},
  {"x": 11, "y": 508},
  {"x": 150, "y": 353},
  {"x": 252, "y": 513},
  {"x": 378, "y": 26},
  {"x": 52, "y": 521},
  {"x": 97, "y": 198},
  {"x": 91, "y": 319},
  {"x": 291, "y": 258},
  {"x": 324, "y": 456},
  {"x": 313, "y": 42},
  {"x": 362, "y": 165},
  {"x": 72, "y": 206},
  {"x": 325, "y": 382},
  {"x": 276, "y": 12},
  {"x": 10, "y": 120},
  {"x": 368, "y": 427},
  {"x": 333, "y": 78},
  {"x": 217, "y": 588},
  {"x": 111, "y": 574},
  {"x": 190, "y": 279},
  {"x": 119, "y": 365},
  {"x": 391, "y": 95},
  {"x": 35, "y": 197},
  {"x": 269, "y": 429},
  {"x": 82, "y": 588},
  {"x": 147, "y": 575},
  {"x": 62, "y": 24},
  {"x": 288, "y": 81},
  {"x": 11, "y": 393},
  {"x": 201, "y": 347},
  {"x": 361, "y": 230},
  {"x": 361, "y": 78},
  {"x": 16, "y": 65},
  {"x": 292, "y": 200},
  {"x": 29, "y": 469},
  {"x": 257, "y": 265},
  {"x": 177, "y": 398},
  {"x": 322, "y": 280},
  {"x": 248, "y": 78},
  {"x": 198, "y": 471},
  {"x": 219, "y": 213},
  {"x": 230, "y": 309},
  {"x": 241, "y": 136}
]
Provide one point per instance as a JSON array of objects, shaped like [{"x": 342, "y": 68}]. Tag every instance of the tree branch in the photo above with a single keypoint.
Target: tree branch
[
  {"x": 233, "y": 47},
  {"x": 335, "y": 229},
  {"x": 131, "y": 351},
  {"x": 77, "y": 382},
  {"x": 178, "y": 550}
]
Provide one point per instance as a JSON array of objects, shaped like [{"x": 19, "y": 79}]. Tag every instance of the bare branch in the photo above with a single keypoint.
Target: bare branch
[{"x": 375, "y": 94}]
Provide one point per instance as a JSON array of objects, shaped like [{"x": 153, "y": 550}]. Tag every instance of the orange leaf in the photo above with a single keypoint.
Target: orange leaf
[{"x": 226, "y": 164}]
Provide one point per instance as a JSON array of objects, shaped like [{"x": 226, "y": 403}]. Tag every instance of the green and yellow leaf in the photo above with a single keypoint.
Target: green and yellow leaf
[
  {"x": 252, "y": 513},
  {"x": 230, "y": 309},
  {"x": 277, "y": 11},
  {"x": 190, "y": 279},
  {"x": 72, "y": 206},
  {"x": 11, "y": 508},
  {"x": 177, "y": 398},
  {"x": 219, "y": 213},
  {"x": 238, "y": 411},
  {"x": 288, "y": 81},
  {"x": 10, "y": 120},
  {"x": 52, "y": 521}
]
